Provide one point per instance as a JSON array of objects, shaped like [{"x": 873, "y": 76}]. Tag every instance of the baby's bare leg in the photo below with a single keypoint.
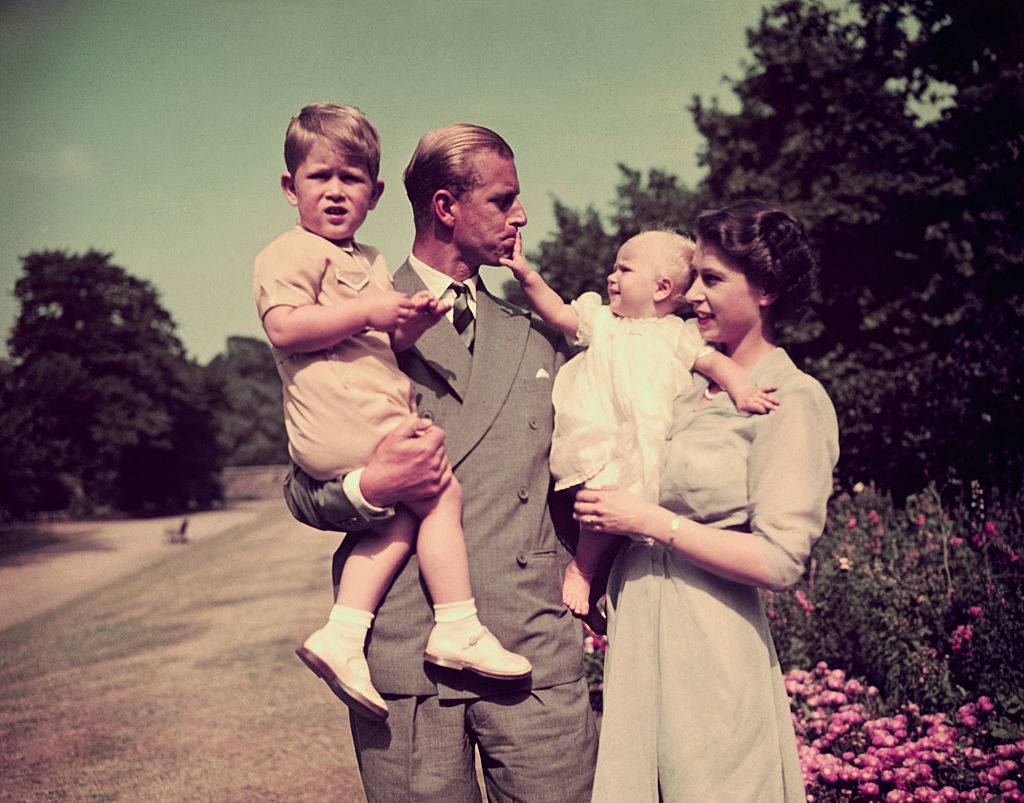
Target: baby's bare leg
[{"x": 590, "y": 548}]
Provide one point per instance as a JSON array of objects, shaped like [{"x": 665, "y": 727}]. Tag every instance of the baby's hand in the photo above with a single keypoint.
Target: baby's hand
[
  {"x": 389, "y": 310},
  {"x": 753, "y": 399},
  {"x": 517, "y": 264}
]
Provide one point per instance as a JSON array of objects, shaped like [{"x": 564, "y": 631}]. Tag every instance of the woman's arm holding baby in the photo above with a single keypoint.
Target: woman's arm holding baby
[{"x": 544, "y": 301}]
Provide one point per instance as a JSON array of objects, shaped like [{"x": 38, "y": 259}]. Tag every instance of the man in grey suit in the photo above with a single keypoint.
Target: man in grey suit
[{"x": 485, "y": 376}]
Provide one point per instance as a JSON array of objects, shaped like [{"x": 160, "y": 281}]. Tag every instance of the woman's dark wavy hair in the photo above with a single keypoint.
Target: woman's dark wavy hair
[{"x": 768, "y": 244}]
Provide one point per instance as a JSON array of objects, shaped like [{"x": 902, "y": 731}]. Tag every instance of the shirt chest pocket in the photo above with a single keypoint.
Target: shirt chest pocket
[{"x": 350, "y": 280}]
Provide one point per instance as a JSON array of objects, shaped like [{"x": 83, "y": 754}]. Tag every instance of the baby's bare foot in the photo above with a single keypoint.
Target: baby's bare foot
[{"x": 576, "y": 589}]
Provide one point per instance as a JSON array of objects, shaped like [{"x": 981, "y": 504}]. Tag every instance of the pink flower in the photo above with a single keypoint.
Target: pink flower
[
  {"x": 851, "y": 523},
  {"x": 975, "y": 611},
  {"x": 873, "y": 517}
]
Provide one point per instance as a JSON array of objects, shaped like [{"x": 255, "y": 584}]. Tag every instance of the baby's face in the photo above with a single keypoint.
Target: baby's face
[
  {"x": 634, "y": 280},
  {"x": 332, "y": 191}
]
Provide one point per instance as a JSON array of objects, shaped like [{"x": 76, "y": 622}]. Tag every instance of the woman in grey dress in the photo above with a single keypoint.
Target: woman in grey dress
[{"x": 694, "y": 706}]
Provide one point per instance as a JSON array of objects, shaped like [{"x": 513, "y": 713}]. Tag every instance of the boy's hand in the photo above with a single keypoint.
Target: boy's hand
[
  {"x": 426, "y": 311},
  {"x": 520, "y": 268},
  {"x": 389, "y": 310},
  {"x": 753, "y": 399}
]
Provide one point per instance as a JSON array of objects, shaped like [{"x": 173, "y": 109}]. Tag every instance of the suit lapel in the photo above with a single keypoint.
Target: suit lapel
[
  {"x": 501, "y": 333},
  {"x": 440, "y": 347}
]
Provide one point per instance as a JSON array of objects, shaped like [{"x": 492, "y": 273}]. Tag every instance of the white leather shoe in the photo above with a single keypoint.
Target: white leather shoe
[
  {"x": 345, "y": 672},
  {"x": 480, "y": 652}
]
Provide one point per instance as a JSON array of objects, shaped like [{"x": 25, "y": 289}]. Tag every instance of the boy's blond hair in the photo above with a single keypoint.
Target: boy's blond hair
[
  {"x": 345, "y": 128},
  {"x": 443, "y": 159}
]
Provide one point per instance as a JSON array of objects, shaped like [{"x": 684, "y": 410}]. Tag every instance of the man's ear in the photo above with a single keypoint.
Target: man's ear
[
  {"x": 767, "y": 299},
  {"x": 443, "y": 205},
  {"x": 288, "y": 185},
  {"x": 663, "y": 289},
  {"x": 378, "y": 190}
]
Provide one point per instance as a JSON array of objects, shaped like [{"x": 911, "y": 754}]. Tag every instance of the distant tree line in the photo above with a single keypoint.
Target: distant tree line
[
  {"x": 893, "y": 128},
  {"x": 101, "y": 409}
]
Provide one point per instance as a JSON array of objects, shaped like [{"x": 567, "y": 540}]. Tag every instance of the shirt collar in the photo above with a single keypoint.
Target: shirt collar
[{"x": 437, "y": 283}]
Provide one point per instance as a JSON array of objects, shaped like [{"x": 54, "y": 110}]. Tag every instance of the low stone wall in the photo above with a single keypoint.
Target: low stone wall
[{"x": 253, "y": 482}]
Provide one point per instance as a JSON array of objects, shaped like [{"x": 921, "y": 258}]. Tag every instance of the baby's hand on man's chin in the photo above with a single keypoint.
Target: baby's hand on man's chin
[{"x": 517, "y": 262}]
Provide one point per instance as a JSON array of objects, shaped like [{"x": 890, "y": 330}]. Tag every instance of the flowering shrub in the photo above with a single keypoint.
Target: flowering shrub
[
  {"x": 850, "y": 750},
  {"x": 926, "y": 604}
]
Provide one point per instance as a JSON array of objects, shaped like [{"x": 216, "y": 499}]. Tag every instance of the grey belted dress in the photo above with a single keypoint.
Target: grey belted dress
[{"x": 694, "y": 705}]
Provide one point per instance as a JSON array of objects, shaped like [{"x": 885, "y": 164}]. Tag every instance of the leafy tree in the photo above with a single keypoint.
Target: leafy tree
[
  {"x": 101, "y": 399},
  {"x": 892, "y": 128},
  {"x": 250, "y": 422}
]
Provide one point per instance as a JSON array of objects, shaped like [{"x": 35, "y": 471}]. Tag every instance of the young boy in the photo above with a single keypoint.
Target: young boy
[{"x": 333, "y": 318}]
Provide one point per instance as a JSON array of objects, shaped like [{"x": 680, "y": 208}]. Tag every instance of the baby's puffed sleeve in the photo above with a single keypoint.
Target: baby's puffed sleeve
[
  {"x": 588, "y": 309},
  {"x": 691, "y": 344},
  {"x": 789, "y": 476},
  {"x": 286, "y": 274}
]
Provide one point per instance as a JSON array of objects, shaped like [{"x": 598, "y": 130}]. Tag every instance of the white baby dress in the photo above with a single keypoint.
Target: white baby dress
[{"x": 613, "y": 401}]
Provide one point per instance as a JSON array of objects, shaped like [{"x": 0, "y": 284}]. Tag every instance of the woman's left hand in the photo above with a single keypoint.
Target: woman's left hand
[{"x": 612, "y": 511}]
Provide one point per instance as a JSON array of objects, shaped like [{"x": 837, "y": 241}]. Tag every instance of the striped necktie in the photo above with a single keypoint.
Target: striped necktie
[{"x": 462, "y": 315}]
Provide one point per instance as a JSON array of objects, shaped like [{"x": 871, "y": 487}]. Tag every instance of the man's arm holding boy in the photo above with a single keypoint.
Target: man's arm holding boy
[{"x": 409, "y": 463}]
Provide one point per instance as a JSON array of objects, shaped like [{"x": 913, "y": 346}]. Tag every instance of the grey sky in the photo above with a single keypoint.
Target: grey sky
[{"x": 154, "y": 130}]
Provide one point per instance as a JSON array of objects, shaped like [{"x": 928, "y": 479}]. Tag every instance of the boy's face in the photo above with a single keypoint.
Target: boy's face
[
  {"x": 332, "y": 191},
  {"x": 634, "y": 280}
]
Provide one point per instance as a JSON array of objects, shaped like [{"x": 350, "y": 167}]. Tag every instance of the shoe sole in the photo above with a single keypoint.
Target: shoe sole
[
  {"x": 360, "y": 705},
  {"x": 452, "y": 664}
]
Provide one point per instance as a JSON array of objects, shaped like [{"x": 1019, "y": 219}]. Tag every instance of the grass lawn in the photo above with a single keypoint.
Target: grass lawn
[{"x": 179, "y": 681}]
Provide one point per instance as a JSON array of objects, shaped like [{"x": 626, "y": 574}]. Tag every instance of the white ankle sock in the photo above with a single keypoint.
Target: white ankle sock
[
  {"x": 350, "y": 624},
  {"x": 456, "y": 616}
]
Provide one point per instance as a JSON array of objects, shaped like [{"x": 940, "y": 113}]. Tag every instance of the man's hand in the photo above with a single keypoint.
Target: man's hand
[
  {"x": 427, "y": 310},
  {"x": 387, "y": 311},
  {"x": 409, "y": 464}
]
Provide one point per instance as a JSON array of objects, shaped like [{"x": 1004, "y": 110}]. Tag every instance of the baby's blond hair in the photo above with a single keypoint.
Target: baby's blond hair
[
  {"x": 344, "y": 128},
  {"x": 675, "y": 260}
]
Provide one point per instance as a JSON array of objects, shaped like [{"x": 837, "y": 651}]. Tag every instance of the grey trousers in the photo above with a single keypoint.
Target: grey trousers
[{"x": 535, "y": 746}]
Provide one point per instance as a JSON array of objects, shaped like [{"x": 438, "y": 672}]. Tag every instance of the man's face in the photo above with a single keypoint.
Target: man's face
[{"x": 488, "y": 216}]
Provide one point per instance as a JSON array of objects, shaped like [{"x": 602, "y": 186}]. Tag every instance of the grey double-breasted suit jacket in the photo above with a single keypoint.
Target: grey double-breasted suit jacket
[{"x": 495, "y": 407}]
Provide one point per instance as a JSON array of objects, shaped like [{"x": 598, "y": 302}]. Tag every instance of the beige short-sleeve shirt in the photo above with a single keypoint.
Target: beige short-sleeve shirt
[{"x": 338, "y": 402}]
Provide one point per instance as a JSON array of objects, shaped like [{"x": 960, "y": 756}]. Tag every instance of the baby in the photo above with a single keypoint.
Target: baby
[
  {"x": 333, "y": 317},
  {"x": 613, "y": 402}
]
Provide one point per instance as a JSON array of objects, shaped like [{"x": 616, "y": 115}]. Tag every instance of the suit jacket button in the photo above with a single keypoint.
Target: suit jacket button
[
  {"x": 534, "y": 423},
  {"x": 427, "y": 415},
  {"x": 521, "y": 559},
  {"x": 523, "y": 494}
]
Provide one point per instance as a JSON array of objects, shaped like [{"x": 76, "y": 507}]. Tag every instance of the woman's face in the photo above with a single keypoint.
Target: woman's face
[{"x": 729, "y": 308}]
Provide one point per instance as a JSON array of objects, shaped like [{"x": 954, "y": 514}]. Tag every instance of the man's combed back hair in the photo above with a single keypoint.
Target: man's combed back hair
[
  {"x": 344, "y": 128},
  {"x": 443, "y": 160},
  {"x": 768, "y": 244}
]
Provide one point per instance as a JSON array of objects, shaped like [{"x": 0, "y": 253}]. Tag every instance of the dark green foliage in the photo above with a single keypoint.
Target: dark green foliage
[
  {"x": 251, "y": 427},
  {"x": 893, "y": 130},
  {"x": 102, "y": 408},
  {"x": 924, "y": 602}
]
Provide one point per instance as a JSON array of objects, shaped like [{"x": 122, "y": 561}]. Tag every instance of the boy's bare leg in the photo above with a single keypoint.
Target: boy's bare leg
[
  {"x": 335, "y": 651},
  {"x": 579, "y": 574},
  {"x": 458, "y": 639}
]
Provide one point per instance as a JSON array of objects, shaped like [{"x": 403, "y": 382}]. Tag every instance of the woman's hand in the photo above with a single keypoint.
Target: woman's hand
[{"x": 613, "y": 511}]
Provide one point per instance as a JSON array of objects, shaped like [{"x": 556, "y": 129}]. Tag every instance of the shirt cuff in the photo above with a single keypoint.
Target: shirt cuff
[{"x": 350, "y": 487}]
